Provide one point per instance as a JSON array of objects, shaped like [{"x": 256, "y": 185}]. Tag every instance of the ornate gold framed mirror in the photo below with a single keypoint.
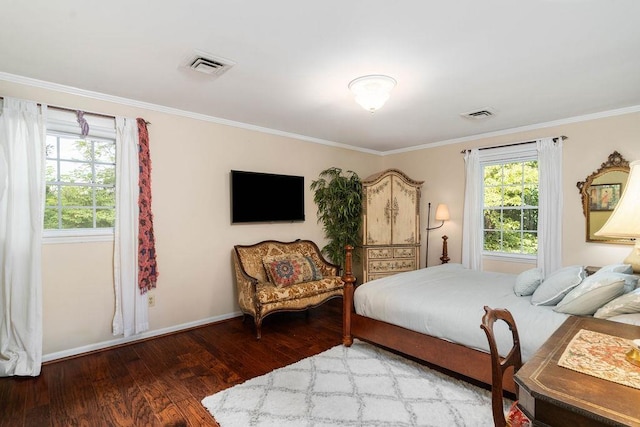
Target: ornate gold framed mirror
[{"x": 600, "y": 192}]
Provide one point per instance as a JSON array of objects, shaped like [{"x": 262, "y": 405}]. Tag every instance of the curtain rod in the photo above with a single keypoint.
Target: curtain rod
[
  {"x": 555, "y": 139},
  {"x": 73, "y": 111},
  {"x": 85, "y": 112}
]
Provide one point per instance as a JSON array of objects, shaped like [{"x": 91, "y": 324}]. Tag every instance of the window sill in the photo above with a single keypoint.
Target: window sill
[
  {"x": 77, "y": 236},
  {"x": 505, "y": 257}
]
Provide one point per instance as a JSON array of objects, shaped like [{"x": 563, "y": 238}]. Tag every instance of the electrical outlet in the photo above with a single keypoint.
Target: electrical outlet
[{"x": 152, "y": 299}]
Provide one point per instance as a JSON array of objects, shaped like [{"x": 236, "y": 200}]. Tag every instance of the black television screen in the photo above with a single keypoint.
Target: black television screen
[{"x": 265, "y": 197}]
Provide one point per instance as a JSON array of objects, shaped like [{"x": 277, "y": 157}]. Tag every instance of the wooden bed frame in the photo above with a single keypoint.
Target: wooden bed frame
[{"x": 453, "y": 357}]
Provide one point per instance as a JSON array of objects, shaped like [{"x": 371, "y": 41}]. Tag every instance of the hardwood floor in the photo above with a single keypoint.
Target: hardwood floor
[{"x": 161, "y": 381}]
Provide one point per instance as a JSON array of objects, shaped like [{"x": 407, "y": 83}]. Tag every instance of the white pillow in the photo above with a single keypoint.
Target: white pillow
[
  {"x": 527, "y": 282},
  {"x": 630, "y": 281},
  {"x": 625, "y": 304},
  {"x": 631, "y": 318},
  {"x": 591, "y": 294},
  {"x": 616, "y": 268},
  {"x": 557, "y": 285}
]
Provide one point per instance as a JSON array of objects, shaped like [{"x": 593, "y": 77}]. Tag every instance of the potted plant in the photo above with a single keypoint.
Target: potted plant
[{"x": 339, "y": 200}]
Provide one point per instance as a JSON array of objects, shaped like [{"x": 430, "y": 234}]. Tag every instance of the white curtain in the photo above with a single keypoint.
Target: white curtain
[
  {"x": 550, "y": 206},
  {"x": 131, "y": 313},
  {"x": 22, "y": 154},
  {"x": 472, "y": 218}
]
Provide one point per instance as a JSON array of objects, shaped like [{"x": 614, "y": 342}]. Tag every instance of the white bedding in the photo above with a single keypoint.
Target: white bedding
[{"x": 447, "y": 302}]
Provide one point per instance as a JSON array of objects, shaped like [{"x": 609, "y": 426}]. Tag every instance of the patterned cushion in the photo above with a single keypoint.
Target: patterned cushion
[
  {"x": 268, "y": 293},
  {"x": 287, "y": 270},
  {"x": 516, "y": 418}
]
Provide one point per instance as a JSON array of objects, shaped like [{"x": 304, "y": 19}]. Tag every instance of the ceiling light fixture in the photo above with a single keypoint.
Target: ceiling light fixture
[{"x": 372, "y": 91}]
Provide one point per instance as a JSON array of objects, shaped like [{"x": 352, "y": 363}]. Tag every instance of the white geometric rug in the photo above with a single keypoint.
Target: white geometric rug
[{"x": 360, "y": 385}]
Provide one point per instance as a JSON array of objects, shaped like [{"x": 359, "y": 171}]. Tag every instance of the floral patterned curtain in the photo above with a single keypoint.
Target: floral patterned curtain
[{"x": 148, "y": 270}]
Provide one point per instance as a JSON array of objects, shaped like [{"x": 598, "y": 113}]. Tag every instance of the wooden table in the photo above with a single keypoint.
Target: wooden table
[{"x": 556, "y": 396}]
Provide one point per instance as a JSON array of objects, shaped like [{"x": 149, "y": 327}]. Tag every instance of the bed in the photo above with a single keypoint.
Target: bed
[{"x": 450, "y": 300}]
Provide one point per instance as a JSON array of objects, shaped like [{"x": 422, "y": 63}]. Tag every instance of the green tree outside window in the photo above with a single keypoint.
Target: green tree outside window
[
  {"x": 80, "y": 183},
  {"x": 511, "y": 208}
]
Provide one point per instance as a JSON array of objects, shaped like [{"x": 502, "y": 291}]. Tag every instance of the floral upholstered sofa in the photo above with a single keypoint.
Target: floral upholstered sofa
[{"x": 283, "y": 276}]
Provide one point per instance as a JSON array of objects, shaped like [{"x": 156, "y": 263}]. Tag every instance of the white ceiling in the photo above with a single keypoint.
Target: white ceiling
[{"x": 532, "y": 62}]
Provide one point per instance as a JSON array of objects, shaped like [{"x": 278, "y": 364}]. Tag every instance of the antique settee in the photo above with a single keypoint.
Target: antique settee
[{"x": 276, "y": 276}]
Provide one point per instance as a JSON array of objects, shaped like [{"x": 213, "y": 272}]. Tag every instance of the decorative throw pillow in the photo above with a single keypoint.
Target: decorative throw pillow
[
  {"x": 630, "y": 318},
  {"x": 630, "y": 280},
  {"x": 527, "y": 282},
  {"x": 616, "y": 268},
  {"x": 287, "y": 270},
  {"x": 591, "y": 294},
  {"x": 625, "y": 304},
  {"x": 557, "y": 285}
]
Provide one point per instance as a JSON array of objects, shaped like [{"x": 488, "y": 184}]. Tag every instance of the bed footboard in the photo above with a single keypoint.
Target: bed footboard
[{"x": 453, "y": 357}]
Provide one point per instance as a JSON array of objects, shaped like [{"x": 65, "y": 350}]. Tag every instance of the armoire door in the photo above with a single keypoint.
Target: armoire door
[
  {"x": 379, "y": 213},
  {"x": 404, "y": 224}
]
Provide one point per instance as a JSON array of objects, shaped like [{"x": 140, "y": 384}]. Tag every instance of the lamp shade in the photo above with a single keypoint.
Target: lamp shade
[
  {"x": 371, "y": 92},
  {"x": 625, "y": 219},
  {"x": 442, "y": 212}
]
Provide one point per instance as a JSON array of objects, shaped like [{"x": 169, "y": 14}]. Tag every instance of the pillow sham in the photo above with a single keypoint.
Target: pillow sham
[
  {"x": 557, "y": 285},
  {"x": 625, "y": 304},
  {"x": 591, "y": 294},
  {"x": 527, "y": 282},
  {"x": 287, "y": 270}
]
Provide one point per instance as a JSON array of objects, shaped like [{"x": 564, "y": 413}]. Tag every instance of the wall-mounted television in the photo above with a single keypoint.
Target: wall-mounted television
[{"x": 266, "y": 197}]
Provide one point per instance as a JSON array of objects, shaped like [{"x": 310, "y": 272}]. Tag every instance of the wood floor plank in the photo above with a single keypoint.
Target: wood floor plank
[
  {"x": 162, "y": 381},
  {"x": 39, "y": 416},
  {"x": 13, "y": 403}
]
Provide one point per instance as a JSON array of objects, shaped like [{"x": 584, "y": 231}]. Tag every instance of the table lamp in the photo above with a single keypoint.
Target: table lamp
[{"x": 624, "y": 222}]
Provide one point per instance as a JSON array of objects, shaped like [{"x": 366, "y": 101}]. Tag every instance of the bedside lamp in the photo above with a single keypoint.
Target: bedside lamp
[
  {"x": 624, "y": 222},
  {"x": 442, "y": 214}
]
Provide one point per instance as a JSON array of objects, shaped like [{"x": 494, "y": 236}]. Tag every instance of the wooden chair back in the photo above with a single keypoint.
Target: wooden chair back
[{"x": 498, "y": 364}]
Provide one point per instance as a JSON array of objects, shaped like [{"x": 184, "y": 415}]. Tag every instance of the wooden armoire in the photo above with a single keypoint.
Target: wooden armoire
[{"x": 391, "y": 224}]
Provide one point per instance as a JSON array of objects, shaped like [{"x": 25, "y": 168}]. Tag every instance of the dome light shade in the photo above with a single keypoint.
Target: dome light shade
[{"x": 372, "y": 91}]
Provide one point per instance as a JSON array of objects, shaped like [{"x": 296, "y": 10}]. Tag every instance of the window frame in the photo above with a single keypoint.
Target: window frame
[
  {"x": 64, "y": 123},
  {"x": 501, "y": 156}
]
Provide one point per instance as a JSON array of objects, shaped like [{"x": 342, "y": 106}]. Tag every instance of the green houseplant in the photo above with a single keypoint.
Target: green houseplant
[{"x": 339, "y": 200}]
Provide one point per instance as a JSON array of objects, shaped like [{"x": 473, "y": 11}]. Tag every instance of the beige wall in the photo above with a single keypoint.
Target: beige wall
[
  {"x": 588, "y": 146},
  {"x": 191, "y": 163}
]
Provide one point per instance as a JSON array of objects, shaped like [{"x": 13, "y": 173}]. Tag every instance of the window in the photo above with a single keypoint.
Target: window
[
  {"x": 80, "y": 176},
  {"x": 510, "y": 208},
  {"x": 80, "y": 182}
]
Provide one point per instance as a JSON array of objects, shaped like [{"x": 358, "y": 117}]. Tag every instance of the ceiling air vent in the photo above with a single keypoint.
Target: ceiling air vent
[
  {"x": 478, "y": 115},
  {"x": 208, "y": 64}
]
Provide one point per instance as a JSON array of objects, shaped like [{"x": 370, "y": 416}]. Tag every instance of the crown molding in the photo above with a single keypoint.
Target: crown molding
[
  {"x": 544, "y": 125},
  {"x": 203, "y": 117},
  {"x": 174, "y": 111}
]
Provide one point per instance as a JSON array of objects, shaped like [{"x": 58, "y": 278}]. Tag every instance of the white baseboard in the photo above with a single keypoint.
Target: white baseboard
[{"x": 150, "y": 334}]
